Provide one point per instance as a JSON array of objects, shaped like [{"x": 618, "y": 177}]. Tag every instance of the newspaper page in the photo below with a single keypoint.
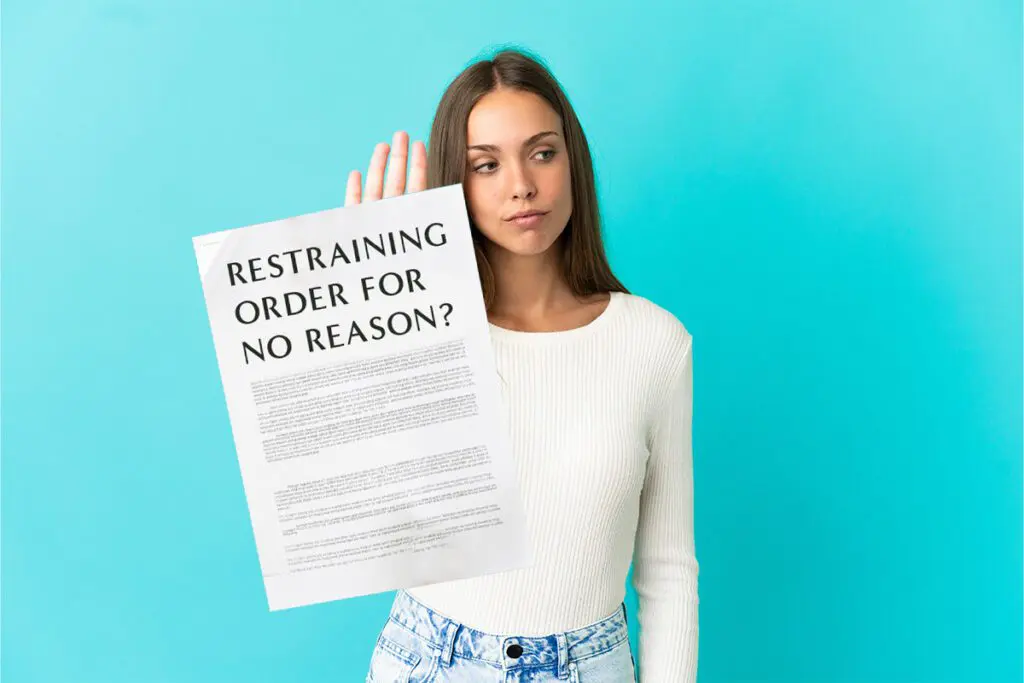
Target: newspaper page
[{"x": 355, "y": 358}]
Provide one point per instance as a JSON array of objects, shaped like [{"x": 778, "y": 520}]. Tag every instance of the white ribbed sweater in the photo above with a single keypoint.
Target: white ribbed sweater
[{"x": 600, "y": 423}]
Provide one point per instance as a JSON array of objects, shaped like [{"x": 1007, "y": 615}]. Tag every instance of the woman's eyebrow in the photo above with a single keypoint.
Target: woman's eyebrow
[{"x": 529, "y": 141}]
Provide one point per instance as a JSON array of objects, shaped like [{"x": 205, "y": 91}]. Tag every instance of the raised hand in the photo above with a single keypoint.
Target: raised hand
[{"x": 377, "y": 187}]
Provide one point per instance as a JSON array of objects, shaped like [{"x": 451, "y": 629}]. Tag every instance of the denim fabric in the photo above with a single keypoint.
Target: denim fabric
[{"x": 418, "y": 645}]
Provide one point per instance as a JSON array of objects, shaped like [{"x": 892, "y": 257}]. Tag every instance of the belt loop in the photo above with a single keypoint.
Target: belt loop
[
  {"x": 563, "y": 656},
  {"x": 451, "y": 629}
]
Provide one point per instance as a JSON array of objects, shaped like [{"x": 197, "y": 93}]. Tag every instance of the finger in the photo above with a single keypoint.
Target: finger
[
  {"x": 418, "y": 174},
  {"x": 395, "y": 184},
  {"x": 375, "y": 174},
  {"x": 353, "y": 190}
]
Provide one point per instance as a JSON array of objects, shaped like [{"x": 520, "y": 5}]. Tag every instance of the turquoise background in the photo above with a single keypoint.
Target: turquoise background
[{"x": 828, "y": 194}]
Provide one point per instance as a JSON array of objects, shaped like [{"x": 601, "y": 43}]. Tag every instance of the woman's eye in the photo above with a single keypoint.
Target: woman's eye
[{"x": 488, "y": 166}]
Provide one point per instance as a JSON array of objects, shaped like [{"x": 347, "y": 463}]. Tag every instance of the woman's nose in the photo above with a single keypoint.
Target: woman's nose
[{"x": 523, "y": 186}]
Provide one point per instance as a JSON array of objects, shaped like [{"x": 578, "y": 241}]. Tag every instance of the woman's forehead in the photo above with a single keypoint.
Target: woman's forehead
[{"x": 504, "y": 119}]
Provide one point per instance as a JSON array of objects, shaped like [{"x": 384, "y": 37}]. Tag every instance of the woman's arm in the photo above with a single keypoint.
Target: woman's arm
[{"x": 664, "y": 561}]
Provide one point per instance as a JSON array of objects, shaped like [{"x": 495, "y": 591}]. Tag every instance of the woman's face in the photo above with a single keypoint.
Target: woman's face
[{"x": 517, "y": 161}]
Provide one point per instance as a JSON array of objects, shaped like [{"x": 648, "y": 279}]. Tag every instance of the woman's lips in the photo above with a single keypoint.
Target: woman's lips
[{"x": 527, "y": 221}]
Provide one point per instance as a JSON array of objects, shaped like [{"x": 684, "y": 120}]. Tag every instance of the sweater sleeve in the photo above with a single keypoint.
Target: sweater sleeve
[{"x": 664, "y": 561}]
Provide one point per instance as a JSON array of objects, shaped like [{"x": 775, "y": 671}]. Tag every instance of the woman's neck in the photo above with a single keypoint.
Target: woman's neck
[
  {"x": 528, "y": 286},
  {"x": 531, "y": 294}
]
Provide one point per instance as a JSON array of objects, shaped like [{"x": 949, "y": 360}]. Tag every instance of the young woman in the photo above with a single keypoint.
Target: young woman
[{"x": 597, "y": 393}]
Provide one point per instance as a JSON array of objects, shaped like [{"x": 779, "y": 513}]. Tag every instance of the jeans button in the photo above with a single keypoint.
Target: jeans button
[{"x": 514, "y": 651}]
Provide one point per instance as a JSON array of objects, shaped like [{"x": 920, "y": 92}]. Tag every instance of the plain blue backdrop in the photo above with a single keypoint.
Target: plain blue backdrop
[{"x": 828, "y": 195}]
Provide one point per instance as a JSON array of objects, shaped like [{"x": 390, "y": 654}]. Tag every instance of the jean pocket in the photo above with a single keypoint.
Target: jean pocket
[
  {"x": 614, "y": 665},
  {"x": 391, "y": 663},
  {"x": 401, "y": 656}
]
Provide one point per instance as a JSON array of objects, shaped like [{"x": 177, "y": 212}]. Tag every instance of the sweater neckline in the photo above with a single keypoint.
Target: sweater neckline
[{"x": 523, "y": 337}]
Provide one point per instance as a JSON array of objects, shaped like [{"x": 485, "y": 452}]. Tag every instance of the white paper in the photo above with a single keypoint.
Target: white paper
[{"x": 370, "y": 461}]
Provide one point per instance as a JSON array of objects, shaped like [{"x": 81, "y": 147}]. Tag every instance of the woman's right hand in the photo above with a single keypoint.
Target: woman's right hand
[{"x": 376, "y": 186}]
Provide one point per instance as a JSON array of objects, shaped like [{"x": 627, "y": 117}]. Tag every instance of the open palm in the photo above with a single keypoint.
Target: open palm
[{"x": 377, "y": 187}]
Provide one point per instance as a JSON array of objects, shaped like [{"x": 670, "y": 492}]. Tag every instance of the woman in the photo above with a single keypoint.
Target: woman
[{"x": 597, "y": 393}]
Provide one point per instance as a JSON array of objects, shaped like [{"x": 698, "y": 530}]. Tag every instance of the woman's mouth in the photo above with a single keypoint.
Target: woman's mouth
[{"x": 528, "y": 220}]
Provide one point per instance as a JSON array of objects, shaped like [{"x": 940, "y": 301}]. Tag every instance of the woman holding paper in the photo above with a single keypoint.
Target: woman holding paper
[{"x": 598, "y": 396}]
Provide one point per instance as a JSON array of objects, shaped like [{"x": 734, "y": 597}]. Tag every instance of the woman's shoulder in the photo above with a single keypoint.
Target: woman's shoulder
[
  {"x": 656, "y": 349},
  {"x": 652, "y": 324}
]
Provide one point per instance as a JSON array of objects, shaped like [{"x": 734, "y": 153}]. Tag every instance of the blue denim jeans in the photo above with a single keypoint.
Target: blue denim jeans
[{"x": 418, "y": 645}]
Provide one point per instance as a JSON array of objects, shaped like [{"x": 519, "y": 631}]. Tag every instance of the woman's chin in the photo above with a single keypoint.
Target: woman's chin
[{"x": 527, "y": 243}]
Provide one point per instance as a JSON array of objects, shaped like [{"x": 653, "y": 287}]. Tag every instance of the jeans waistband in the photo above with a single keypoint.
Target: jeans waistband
[{"x": 454, "y": 638}]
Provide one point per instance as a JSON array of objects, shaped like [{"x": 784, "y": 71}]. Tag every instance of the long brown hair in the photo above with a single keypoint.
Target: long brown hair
[{"x": 584, "y": 263}]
